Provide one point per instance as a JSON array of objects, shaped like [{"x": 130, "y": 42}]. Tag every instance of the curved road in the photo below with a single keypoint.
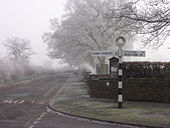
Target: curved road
[{"x": 25, "y": 106}]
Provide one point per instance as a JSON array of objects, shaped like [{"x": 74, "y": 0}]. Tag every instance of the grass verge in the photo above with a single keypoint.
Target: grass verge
[{"x": 73, "y": 99}]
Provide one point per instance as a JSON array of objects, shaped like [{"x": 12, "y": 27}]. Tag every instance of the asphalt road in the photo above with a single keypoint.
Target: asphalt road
[{"x": 25, "y": 106}]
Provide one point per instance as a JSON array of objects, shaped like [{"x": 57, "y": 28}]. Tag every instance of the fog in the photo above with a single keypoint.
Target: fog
[{"x": 29, "y": 19}]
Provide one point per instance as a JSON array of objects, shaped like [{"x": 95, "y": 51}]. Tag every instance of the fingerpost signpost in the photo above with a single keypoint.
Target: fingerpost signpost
[{"x": 120, "y": 42}]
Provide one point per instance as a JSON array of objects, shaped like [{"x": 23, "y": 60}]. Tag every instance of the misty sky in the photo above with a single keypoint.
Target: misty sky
[{"x": 29, "y": 19}]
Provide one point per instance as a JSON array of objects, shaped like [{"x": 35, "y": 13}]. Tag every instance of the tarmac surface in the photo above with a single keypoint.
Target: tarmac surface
[{"x": 25, "y": 106}]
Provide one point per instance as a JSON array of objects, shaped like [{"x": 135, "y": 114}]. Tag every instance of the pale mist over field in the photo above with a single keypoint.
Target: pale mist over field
[{"x": 29, "y": 19}]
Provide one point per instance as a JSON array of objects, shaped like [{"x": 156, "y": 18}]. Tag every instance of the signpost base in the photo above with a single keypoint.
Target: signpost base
[{"x": 120, "y": 105}]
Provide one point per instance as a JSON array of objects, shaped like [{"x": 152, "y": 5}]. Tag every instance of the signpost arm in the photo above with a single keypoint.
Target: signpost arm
[{"x": 120, "y": 80}]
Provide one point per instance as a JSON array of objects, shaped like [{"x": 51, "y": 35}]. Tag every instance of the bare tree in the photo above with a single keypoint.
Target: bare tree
[
  {"x": 150, "y": 17},
  {"x": 18, "y": 49}
]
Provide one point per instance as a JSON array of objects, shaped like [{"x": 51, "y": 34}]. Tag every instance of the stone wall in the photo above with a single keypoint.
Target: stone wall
[{"x": 157, "y": 90}]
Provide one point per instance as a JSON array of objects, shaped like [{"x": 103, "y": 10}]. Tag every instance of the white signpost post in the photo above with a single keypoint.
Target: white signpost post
[{"x": 120, "y": 42}]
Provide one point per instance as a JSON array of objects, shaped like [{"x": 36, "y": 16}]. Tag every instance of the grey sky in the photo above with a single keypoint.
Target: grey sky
[{"x": 29, "y": 19}]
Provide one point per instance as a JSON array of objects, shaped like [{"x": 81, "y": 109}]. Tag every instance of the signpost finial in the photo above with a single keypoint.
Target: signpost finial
[{"x": 120, "y": 41}]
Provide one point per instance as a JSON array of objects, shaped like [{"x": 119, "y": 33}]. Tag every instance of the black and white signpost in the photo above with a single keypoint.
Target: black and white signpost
[{"x": 120, "y": 42}]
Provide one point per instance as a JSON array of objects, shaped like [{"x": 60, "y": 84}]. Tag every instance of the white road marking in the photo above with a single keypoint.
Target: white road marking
[
  {"x": 10, "y": 101},
  {"x": 37, "y": 120},
  {"x": 22, "y": 101},
  {"x": 16, "y": 101},
  {"x": 3, "y": 86},
  {"x": 33, "y": 102},
  {"x": 42, "y": 102},
  {"x": 44, "y": 113},
  {"x": 6, "y": 101},
  {"x": 31, "y": 126},
  {"x": 41, "y": 116}
]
